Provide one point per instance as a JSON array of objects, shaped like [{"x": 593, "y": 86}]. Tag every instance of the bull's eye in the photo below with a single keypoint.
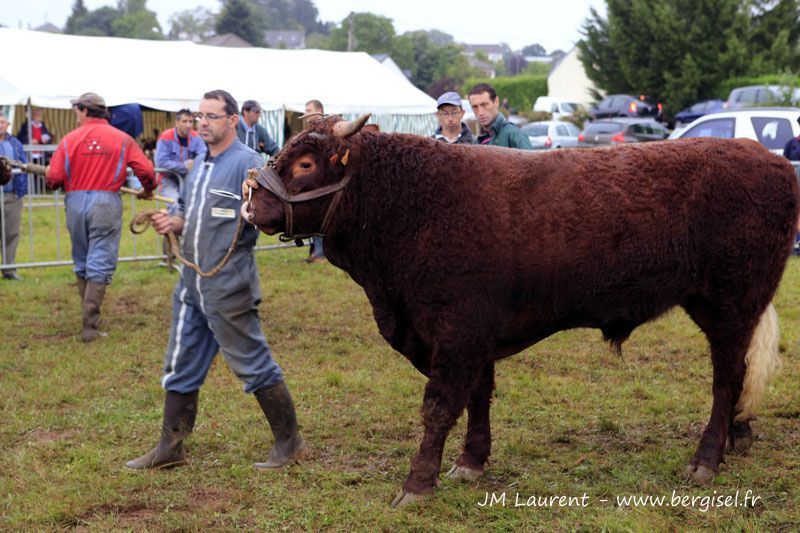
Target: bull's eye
[{"x": 305, "y": 165}]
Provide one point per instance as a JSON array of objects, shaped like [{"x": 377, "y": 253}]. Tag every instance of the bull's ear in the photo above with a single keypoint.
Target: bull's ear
[
  {"x": 334, "y": 158},
  {"x": 346, "y": 129}
]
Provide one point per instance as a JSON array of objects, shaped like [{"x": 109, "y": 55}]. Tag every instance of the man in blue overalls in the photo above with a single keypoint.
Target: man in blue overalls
[{"x": 219, "y": 313}]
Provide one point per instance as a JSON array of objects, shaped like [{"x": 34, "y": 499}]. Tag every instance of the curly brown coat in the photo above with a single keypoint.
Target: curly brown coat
[{"x": 469, "y": 254}]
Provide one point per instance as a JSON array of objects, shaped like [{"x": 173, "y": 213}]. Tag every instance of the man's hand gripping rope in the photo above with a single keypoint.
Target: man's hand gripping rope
[{"x": 160, "y": 220}]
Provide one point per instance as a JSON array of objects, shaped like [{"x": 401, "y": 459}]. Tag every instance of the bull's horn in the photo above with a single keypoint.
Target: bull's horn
[{"x": 346, "y": 129}]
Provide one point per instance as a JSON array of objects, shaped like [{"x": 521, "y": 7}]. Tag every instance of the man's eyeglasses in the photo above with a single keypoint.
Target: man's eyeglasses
[
  {"x": 208, "y": 116},
  {"x": 450, "y": 114}
]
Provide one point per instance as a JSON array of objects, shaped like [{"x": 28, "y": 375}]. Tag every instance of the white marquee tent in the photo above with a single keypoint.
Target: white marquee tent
[{"x": 47, "y": 70}]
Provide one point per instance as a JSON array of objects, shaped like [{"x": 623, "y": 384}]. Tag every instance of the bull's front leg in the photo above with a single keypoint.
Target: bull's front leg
[
  {"x": 478, "y": 442},
  {"x": 444, "y": 401}
]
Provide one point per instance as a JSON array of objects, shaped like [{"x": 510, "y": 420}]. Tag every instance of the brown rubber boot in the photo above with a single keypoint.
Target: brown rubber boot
[
  {"x": 81, "y": 287},
  {"x": 276, "y": 402},
  {"x": 92, "y": 300},
  {"x": 180, "y": 411}
]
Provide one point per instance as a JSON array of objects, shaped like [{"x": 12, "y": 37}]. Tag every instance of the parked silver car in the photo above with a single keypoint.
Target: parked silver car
[
  {"x": 551, "y": 134},
  {"x": 760, "y": 95},
  {"x": 620, "y": 130}
]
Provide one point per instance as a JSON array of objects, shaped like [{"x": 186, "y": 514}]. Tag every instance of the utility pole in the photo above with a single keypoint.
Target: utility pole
[{"x": 350, "y": 38}]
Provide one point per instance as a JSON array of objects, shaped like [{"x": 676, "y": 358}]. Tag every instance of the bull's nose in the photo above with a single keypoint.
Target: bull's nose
[{"x": 245, "y": 211}]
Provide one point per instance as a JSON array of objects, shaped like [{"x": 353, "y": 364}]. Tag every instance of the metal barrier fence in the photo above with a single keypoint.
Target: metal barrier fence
[{"x": 44, "y": 240}]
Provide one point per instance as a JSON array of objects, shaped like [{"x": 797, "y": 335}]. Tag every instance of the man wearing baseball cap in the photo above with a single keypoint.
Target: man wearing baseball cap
[
  {"x": 449, "y": 113},
  {"x": 91, "y": 164},
  {"x": 253, "y": 134}
]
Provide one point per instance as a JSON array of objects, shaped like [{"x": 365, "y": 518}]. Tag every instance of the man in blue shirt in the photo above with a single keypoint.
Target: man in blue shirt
[
  {"x": 218, "y": 313},
  {"x": 176, "y": 151},
  {"x": 253, "y": 134},
  {"x": 13, "y": 191}
]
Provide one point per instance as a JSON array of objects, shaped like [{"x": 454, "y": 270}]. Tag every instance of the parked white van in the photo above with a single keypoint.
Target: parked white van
[{"x": 558, "y": 107}]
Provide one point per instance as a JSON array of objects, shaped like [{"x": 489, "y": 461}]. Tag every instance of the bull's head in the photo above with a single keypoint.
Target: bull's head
[{"x": 301, "y": 188}]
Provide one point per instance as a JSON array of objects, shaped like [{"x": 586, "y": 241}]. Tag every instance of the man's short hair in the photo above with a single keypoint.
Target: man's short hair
[
  {"x": 484, "y": 88},
  {"x": 231, "y": 107},
  {"x": 316, "y": 104},
  {"x": 182, "y": 113},
  {"x": 95, "y": 112},
  {"x": 251, "y": 105}
]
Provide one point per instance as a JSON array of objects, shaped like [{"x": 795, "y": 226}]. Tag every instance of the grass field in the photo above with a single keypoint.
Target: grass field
[{"x": 569, "y": 419}]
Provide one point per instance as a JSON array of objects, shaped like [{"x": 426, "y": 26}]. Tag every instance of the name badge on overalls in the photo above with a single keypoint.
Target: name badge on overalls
[{"x": 220, "y": 212}]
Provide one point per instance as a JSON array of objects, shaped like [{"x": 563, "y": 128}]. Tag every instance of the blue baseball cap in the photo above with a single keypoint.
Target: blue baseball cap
[{"x": 449, "y": 98}]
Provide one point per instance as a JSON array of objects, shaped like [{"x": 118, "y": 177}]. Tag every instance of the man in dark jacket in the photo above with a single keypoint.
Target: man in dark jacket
[
  {"x": 449, "y": 113},
  {"x": 253, "y": 134},
  {"x": 792, "y": 149},
  {"x": 495, "y": 129}
]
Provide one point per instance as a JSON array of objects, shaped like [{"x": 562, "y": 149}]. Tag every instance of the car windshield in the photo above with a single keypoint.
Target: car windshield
[
  {"x": 535, "y": 130},
  {"x": 596, "y": 128},
  {"x": 569, "y": 107}
]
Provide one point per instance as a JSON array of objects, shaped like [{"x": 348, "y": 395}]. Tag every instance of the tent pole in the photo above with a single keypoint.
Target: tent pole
[{"x": 28, "y": 118}]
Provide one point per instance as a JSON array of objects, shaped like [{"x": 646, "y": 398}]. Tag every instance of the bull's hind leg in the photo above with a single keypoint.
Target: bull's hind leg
[
  {"x": 762, "y": 362},
  {"x": 478, "y": 442},
  {"x": 452, "y": 375},
  {"x": 732, "y": 339}
]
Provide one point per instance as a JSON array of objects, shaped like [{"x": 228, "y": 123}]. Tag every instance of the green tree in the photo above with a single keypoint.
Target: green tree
[
  {"x": 74, "y": 21},
  {"x": 535, "y": 49},
  {"x": 240, "y": 17},
  {"x": 679, "y": 51},
  {"x": 136, "y": 22},
  {"x": 192, "y": 25},
  {"x": 97, "y": 22},
  {"x": 318, "y": 41},
  {"x": 373, "y": 34},
  {"x": 434, "y": 68},
  {"x": 773, "y": 37}
]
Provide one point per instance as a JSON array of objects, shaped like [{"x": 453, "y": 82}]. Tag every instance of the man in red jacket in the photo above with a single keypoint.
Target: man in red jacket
[{"x": 91, "y": 164}]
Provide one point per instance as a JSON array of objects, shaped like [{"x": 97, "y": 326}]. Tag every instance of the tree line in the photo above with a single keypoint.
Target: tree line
[
  {"x": 678, "y": 51},
  {"x": 682, "y": 51}
]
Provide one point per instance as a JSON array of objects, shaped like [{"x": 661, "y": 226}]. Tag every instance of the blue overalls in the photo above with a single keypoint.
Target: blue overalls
[{"x": 221, "y": 312}]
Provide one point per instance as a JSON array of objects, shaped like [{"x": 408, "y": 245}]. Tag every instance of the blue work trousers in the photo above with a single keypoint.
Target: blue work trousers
[
  {"x": 94, "y": 221},
  {"x": 231, "y": 326}
]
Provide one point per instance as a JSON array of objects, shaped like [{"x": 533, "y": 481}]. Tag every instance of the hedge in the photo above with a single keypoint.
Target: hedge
[{"x": 521, "y": 91}]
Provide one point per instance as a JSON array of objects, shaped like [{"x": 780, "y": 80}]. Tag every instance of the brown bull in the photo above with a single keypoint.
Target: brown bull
[{"x": 469, "y": 254}]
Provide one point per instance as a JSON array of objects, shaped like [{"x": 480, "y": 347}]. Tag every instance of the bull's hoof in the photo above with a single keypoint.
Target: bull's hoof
[
  {"x": 463, "y": 473},
  {"x": 741, "y": 445},
  {"x": 740, "y": 438},
  {"x": 404, "y": 498},
  {"x": 702, "y": 475}
]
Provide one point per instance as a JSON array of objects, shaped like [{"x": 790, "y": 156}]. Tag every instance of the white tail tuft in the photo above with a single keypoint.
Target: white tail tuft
[{"x": 763, "y": 363}]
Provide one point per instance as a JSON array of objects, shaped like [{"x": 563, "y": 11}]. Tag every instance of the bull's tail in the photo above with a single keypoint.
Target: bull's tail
[{"x": 763, "y": 362}]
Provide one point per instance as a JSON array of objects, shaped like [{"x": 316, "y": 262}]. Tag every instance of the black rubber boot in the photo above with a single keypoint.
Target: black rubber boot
[
  {"x": 92, "y": 300},
  {"x": 276, "y": 402},
  {"x": 81, "y": 288},
  {"x": 180, "y": 411}
]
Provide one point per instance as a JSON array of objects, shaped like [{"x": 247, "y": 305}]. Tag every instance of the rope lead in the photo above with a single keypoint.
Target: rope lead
[{"x": 141, "y": 221}]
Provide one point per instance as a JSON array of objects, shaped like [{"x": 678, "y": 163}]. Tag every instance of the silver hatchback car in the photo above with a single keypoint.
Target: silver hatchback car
[{"x": 551, "y": 134}]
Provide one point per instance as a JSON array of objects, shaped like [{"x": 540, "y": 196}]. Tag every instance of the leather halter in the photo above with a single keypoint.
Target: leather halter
[{"x": 269, "y": 179}]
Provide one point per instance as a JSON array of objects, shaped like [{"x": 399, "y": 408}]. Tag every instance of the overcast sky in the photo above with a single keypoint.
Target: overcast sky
[{"x": 553, "y": 24}]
